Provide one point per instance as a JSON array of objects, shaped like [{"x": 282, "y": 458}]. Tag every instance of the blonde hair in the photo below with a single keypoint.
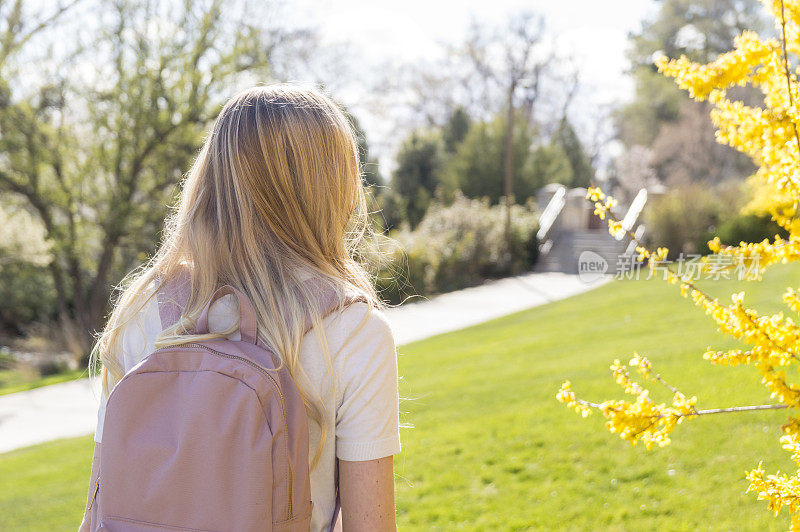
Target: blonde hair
[{"x": 275, "y": 190}]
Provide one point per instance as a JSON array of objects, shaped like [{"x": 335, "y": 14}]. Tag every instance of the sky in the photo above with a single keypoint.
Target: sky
[{"x": 593, "y": 32}]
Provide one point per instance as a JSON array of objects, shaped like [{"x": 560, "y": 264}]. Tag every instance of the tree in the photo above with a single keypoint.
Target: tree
[
  {"x": 98, "y": 158},
  {"x": 419, "y": 165},
  {"x": 582, "y": 172},
  {"x": 768, "y": 134},
  {"x": 512, "y": 60},
  {"x": 699, "y": 29},
  {"x": 26, "y": 288},
  {"x": 369, "y": 165},
  {"x": 550, "y": 163},
  {"x": 632, "y": 171},
  {"x": 685, "y": 150},
  {"x": 24, "y": 254},
  {"x": 476, "y": 166},
  {"x": 456, "y": 129},
  {"x": 388, "y": 208}
]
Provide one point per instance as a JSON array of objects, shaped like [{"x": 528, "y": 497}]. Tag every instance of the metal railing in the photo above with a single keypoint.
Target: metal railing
[
  {"x": 550, "y": 213},
  {"x": 633, "y": 213}
]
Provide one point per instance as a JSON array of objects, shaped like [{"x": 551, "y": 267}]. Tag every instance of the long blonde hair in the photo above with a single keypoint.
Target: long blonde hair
[{"x": 275, "y": 190}]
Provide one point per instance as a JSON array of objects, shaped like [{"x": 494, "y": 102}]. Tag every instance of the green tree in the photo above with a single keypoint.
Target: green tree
[
  {"x": 26, "y": 289},
  {"x": 389, "y": 209},
  {"x": 550, "y": 163},
  {"x": 98, "y": 162},
  {"x": 581, "y": 170},
  {"x": 476, "y": 168},
  {"x": 699, "y": 29},
  {"x": 369, "y": 165},
  {"x": 518, "y": 71},
  {"x": 456, "y": 129},
  {"x": 420, "y": 162}
]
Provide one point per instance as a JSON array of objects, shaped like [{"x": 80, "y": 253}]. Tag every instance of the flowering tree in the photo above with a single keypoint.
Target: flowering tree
[{"x": 769, "y": 135}]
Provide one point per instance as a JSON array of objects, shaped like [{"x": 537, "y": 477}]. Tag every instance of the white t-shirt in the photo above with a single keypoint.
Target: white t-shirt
[{"x": 362, "y": 412}]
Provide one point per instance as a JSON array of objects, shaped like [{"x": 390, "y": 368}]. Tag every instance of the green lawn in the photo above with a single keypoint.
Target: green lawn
[
  {"x": 12, "y": 381},
  {"x": 491, "y": 449},
  {"x": 44, "y": 487}
]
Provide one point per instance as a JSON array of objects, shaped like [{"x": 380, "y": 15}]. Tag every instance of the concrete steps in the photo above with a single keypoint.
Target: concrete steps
[{"x": 564, "y": 255}]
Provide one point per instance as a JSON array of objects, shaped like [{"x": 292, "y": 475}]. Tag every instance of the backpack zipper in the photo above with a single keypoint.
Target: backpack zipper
[
  {"x": 266, "y": 373},
  {"x": 96, "y": 489}
]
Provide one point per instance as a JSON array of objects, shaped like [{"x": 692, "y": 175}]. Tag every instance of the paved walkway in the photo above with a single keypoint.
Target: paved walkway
[{"x": 70, "y": 409}]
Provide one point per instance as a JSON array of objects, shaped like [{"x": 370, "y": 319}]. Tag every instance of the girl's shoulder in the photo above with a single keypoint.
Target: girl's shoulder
[
  {"x": 357, "y": 320},
  {"x": 360, "y": 341},
  {"x": 365, "y": 372}
]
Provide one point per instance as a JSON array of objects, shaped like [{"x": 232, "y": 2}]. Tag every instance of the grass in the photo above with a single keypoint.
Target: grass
[
  {"x": 491, "y": 449},
  {"x": 44, "y": 487},
  {"x": 12, "y": 381}
]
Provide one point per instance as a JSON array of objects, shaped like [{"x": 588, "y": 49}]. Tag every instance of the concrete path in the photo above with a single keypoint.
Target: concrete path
[
  {"x": 47, "y": 413},
  {"x": 419, "y": 319},
  {"x": 70, "y": 409}
]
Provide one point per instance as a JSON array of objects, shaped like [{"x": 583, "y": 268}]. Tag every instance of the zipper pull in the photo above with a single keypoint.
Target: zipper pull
[{"x": 94, "y": 495}]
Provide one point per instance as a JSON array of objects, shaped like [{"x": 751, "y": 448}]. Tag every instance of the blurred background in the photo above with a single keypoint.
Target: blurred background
[{"x": 480, "y": 124}]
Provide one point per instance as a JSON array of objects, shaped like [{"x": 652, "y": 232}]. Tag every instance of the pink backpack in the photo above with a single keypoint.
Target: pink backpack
[{"x": 205, "y": 436}]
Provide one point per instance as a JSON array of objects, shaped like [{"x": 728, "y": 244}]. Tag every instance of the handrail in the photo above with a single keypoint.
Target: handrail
[
  {"x": 637, "y": 237},
  {"x": 551, "y": 212},
  {"x": 633, "y": 213}
]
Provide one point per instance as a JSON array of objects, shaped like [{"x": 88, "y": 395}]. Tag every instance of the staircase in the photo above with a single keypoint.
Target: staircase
[
  {"x": 567, "y": 247},
  {"x": 568, "y": 228}
]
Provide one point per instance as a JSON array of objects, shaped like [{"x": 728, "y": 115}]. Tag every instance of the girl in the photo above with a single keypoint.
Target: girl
[{"x": 275, "y": 198}]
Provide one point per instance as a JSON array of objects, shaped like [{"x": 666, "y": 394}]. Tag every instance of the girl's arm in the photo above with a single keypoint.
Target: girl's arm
[{"x": 366, "y": 492}]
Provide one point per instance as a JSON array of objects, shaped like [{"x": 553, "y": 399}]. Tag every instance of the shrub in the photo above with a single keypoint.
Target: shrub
[
  {"x": 748, "y": 228},
  {"x": 27, "y": 293},
  {"x": 458, "y": 245},
  {"x": 26, "y": 286},
  {"x": 687, "y": 217},
  {"x": 682, "y": 219}
]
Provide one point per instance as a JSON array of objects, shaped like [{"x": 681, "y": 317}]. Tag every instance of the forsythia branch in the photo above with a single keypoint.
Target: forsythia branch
[
  {"x": 768, "y": 133},
  {"x": 786, "y": 70}
]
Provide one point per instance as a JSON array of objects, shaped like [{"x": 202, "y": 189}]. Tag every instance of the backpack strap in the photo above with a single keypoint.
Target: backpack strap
[
  {"x": 173, "y": 296},
  {"x": 248, "y": 328},
  {"x": 328, "y": 301}
]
